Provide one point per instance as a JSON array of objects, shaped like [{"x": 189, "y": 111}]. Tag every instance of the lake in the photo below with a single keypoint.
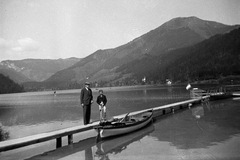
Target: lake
[
  {"x": 209, "y": 131},
  {"x": 205, "y": 131},
  {"x": 25, "y": 114}
]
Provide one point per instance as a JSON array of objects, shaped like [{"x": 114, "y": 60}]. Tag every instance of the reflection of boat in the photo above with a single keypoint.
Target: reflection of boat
[
  {"x": 124, "y": 125},
  {"x": 116, "y": 145}
]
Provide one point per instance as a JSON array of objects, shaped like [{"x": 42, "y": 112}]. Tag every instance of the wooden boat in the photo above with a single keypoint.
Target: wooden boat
[
  {"x": 124, "y": 125},
  {"x": 219, "y": 96},
  {"x": 236, "y": 94}
]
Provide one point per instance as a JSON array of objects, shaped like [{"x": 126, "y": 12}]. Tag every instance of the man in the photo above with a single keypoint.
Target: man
[
  {"x": 101, "y": 101},
  {"x": 86, "y": 99}
]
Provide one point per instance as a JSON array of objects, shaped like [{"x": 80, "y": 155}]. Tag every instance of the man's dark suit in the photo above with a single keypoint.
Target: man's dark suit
[{"x": 86, "y": 99}]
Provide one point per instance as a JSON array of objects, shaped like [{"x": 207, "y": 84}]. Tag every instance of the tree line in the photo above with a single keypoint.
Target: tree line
[{"x": 9, "y": 86}]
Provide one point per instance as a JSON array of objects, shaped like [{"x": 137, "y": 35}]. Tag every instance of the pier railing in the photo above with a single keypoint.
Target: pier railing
[
  {"x": 228, "y": 90},
  {"x": 69, "y": 132}
]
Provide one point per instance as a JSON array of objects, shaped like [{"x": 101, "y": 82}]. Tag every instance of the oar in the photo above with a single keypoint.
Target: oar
[{"x": 125, "y": 117}]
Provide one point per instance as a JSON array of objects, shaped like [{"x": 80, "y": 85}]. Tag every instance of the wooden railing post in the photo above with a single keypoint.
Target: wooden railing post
[
  {"x": 59, "y": 142},
  {"x": 70, "y": 139}
]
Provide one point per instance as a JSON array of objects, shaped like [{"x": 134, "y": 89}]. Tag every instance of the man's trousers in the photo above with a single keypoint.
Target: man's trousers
[{"x": 86, "y": 114}]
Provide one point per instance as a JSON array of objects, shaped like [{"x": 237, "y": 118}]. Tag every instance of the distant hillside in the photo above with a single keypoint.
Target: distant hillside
[
  {"x": 34, "y": 69},
  {"x": 17, "y": 77},
  {"x": 214, "y": 58},
  {"x": 8, "y": 85},
  {"x": 103, "y": 65}
]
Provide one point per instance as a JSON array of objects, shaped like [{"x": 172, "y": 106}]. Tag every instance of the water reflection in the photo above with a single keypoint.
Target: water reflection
[
  {"x": 117, "y": 145},
  {"x": 200, "y": 127},
  {"x": 88, "y": 154},
  {"x": 88, "y": 149},
  {"x": 198, "y": 112},
  {"x": 80, "y": 150}
]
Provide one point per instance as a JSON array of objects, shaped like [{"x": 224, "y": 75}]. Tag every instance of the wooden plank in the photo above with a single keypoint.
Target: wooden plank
[
  {"x": 25, "y": 141},
  {"x": 182, "y": 103}
]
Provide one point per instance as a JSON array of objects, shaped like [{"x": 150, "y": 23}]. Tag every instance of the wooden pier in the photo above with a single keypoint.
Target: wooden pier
[{"x": 69, "y": 132}]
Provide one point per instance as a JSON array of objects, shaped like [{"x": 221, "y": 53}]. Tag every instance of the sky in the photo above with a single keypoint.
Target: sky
[{"x": 52, "y": 29}]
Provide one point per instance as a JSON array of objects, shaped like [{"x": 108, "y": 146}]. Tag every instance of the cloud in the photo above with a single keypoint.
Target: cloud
[
  {"x": 26, "y": 44},
  {"x": 19, "y": 49},
  {"x": 4, "y": 44},
  {"x": 21, "y": 45}
]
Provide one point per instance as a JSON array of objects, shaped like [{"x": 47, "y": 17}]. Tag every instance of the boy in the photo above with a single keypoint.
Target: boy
[{"x": 101, "y": 101}]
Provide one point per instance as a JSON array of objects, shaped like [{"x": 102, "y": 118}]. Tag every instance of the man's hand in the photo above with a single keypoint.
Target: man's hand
[
  {"x": 91, "y": 101},
  {"x": 82, "y": 104}
]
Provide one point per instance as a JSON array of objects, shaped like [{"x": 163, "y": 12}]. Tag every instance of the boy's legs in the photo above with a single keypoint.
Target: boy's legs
[
  {"x": 104, "y": 113},
  {"x": 101, "y": 113}
]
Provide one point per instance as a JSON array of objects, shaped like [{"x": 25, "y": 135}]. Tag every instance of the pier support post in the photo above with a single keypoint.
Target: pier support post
[
  {"x": 172, "y": 109},
  {"x": 163, "y": 111},
  {"x": 59, "y": 142},
  {"x": 181, "y": 107},
  {"x": 70, "y": 139}
]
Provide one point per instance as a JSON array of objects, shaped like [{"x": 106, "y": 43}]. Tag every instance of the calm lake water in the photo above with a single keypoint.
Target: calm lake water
[
  {"x": 209, "y": 131},
  {"x": 206, "y": 131},
  {"x": 31, "y": 113}
]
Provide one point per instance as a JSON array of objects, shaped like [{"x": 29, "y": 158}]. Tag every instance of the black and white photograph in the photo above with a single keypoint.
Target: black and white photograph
[{"x": 119, "y": 79}]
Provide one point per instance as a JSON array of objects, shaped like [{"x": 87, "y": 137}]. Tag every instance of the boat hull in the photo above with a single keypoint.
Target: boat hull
[
  {"x": 237, "y": 94},
  {"x": 105, "y": 132},
  {"x": 219, "y": 96}
]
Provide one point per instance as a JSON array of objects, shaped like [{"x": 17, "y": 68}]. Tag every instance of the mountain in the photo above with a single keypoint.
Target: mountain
[
  {"x": 13, "y": 75},
  {"x": 215, "y": 58},
  {"x": 8, "y": 85},
  {"x": 102, "y": 66},
  {"x": 34, "y": 69}
]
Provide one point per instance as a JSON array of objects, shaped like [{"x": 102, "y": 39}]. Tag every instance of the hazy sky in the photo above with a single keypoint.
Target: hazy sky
[{"x": 50, "y": 29}]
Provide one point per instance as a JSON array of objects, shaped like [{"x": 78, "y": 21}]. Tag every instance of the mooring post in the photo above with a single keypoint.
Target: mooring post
[
  {"x": 59, "y": 142},
  {"x": 70, "y": 139}
]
